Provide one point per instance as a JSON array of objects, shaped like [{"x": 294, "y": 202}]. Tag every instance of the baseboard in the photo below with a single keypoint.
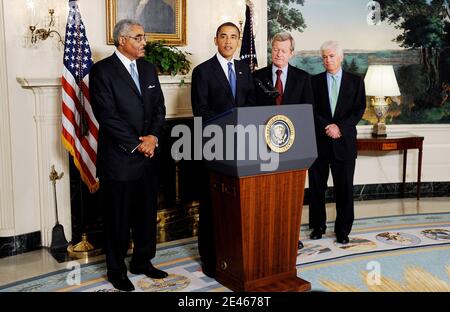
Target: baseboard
[
  {"x": 10, "y": 246},
  {"x": 390, "y": 191}
]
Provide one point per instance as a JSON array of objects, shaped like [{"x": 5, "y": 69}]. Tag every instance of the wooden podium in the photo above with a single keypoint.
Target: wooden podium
[{"x": 257, "y": 214}]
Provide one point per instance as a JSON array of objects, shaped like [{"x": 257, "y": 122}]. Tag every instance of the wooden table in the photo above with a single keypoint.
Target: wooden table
[{"x": 400, "y": 141}]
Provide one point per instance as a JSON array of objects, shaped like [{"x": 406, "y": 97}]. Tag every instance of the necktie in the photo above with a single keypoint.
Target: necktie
[
  {"x": 135, "y": 76},
  {"x": 334, "y": 94},
  {"x": 279, "y": 87},
  {"x": 232, "y": 78}
]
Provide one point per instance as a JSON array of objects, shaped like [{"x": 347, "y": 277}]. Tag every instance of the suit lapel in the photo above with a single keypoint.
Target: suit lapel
[
  {"x": 324, "y": 90},
  {"x": 340, "y": 102},
  {"x": 218, "y": 71},
  {"x": 124, "y": 74},
  {"x": 290, "y": 83},
  {"x": 143, "y": 75},
  {"x": 239, "y": 77}
]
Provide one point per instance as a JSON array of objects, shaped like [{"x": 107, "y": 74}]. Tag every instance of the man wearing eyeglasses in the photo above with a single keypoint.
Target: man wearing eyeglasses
[{"x": 129, "y": 106}]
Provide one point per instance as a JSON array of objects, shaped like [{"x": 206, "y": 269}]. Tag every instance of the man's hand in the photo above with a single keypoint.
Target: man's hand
[
  {"x": 333, "y": 131},
  {"x": 148, "y": 145}
]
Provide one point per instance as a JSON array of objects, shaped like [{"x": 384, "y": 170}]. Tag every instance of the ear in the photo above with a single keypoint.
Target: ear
[
  {"x": 215, "y": 41},
  {"x": 121, "y": 41}
]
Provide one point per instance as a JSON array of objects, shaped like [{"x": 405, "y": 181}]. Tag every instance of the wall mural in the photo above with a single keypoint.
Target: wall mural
[{"x": 411, "y": 35}]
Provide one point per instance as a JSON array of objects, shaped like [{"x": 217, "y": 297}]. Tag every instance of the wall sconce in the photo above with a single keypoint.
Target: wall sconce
[
  {"x": 41, "y": 33},
  {"x": 380, "y": 82}
]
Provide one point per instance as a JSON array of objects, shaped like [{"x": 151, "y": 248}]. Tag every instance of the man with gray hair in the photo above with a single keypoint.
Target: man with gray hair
[
  {"x": 128, "y": 104},
  {"x": 281, "y": 83},
  {"x": 339, "y": 104}
]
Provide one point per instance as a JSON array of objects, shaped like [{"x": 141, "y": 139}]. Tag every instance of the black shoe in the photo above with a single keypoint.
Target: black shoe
[
  {"x": 149, "y": 271},
  {"x": 342, "y": 239},
  {"x": 121, "y": 283},
  {"x": 300, "y": 245},
  {"x": 317, "y": 233},
  {"x": 208, "y": 271}
]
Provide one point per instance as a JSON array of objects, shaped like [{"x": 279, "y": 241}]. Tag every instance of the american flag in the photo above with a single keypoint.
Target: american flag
[
  {"x": 248, "y": 50},
  {"x": 79, "y": 127}
]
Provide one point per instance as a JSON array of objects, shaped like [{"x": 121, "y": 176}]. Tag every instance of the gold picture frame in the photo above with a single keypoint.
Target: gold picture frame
[{"x": 173, "y": 32}]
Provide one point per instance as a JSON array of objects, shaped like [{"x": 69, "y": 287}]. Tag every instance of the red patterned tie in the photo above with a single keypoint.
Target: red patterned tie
[{"x": 279, "y": 87}]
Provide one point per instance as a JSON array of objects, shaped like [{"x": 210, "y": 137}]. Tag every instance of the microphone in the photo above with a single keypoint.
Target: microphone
[{"x": 267, "y": 88}]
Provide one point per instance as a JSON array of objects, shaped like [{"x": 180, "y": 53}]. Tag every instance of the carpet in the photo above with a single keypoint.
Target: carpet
[{"x": 398, "y": 253}]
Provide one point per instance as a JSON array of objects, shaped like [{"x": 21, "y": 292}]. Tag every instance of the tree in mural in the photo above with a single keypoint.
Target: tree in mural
[
  {"x": 283, "y": 17},
  {"x": 425, "y": 26},
  {"x": 351, "y": 68}
]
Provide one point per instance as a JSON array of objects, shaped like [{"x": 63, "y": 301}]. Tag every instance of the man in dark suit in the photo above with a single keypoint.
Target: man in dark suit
[
  {"x": 292, "y": 84},
  {"x": 129, "y": 106},
  {"x": 339, "y": 104},
  {"x": 218, "y": 85}
]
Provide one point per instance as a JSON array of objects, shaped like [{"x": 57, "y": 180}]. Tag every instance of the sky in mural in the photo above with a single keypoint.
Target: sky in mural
[{"x": 344, "y": 21}]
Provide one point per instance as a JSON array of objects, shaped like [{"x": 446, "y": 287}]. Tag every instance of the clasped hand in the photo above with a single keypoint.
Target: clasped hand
[
  {"x": 333, "y": 131},
  {"x": 148, "y": 145}
]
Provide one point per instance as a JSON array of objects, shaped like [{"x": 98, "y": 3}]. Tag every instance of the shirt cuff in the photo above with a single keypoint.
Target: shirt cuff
[{"x": 134, "y": 149}]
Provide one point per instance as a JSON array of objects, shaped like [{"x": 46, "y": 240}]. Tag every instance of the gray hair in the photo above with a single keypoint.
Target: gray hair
[
  {"x": 283, "y": 36},
  {"x": 122, "y": 28},
  {"x": 332, "y": 45}
]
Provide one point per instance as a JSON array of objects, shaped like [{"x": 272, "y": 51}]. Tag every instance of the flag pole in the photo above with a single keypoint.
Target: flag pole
[
  {"x": 84, "y": 249},
  {"x": 80, "y": 129},
  {"x": 248, "y": 50}
]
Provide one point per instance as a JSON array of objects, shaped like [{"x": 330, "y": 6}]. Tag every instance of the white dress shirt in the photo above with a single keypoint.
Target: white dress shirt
[
  {"x": 224, "y": 64},
  {"x": 283, "y": 75}
]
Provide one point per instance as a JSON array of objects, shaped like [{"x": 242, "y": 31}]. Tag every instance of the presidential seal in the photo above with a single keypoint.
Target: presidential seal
[{"x": 279, "y": 133}]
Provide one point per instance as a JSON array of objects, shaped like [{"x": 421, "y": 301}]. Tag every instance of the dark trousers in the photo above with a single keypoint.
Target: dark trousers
[
  {"x": 129, "y": 205},
  {"x": 342, "y": 173},
  {"x": 206, "y": 242}
]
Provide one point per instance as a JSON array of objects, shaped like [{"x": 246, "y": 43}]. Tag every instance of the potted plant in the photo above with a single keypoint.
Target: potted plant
[{"x": 168, "y": 60}]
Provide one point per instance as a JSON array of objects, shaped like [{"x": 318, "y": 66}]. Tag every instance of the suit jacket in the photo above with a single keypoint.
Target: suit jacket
[
  {"x": 211, "y": 92},
  {"x": 298, "y": 88},
  {"x": 124, "y": 115},
  {"x": 350, "y": 108}
]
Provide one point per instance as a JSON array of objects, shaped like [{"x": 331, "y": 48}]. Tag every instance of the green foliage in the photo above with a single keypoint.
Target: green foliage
[
  {"x": 168, "y": 60},
  {"x": 425, "y": 26},
  {"x": 419, "y": 104},
  {"x": 282, "y": 16},
  {"x": 352, "y": 67}
]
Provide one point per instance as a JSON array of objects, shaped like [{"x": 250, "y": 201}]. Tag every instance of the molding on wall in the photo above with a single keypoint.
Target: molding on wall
[
  {"x": 177, "y": 96},
  {"x": 412, "y": 128},
  {"x": 386, "y": 167},
  {"x": 7, "y": 223},
  {"x": 50, "y": 151}
]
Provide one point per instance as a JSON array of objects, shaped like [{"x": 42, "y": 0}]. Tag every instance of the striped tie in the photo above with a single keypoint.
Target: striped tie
[{"x": 232, "y": 78}]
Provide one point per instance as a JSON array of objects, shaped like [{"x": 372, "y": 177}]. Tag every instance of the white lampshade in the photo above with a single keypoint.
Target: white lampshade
[{"x": 380, "y": 81}]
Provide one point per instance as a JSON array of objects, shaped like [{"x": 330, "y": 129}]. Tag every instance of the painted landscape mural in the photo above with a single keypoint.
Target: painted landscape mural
[{"x": 411, "y": 35}]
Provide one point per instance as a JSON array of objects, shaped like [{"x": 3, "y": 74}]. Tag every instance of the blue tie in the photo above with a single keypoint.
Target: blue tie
[
  {"x": 135, "y": 76},
  {"x": 232, "y": 78}
]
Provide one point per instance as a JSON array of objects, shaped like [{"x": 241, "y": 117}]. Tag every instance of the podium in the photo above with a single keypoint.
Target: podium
[{"x": 257, "y": 213}]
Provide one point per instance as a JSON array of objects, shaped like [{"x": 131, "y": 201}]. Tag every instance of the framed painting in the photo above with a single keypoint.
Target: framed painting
[{"x": 162, "y": 19}]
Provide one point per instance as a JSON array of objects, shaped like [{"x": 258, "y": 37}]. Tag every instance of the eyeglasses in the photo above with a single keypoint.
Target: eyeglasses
[{"x": 138, "y": 38}]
